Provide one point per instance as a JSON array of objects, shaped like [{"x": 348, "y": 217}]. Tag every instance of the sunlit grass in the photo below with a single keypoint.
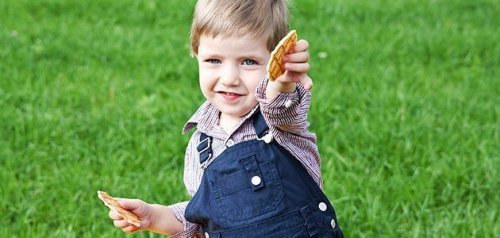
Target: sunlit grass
[{"x": 93, "y": 95}]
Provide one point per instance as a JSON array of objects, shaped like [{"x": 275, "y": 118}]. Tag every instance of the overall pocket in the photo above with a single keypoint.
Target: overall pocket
[{"x": 252, "y": 191}]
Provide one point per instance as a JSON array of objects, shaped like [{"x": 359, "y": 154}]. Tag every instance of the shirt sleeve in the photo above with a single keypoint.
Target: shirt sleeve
[
  {"x": 192, "y": 177},
  {"x": 288, "y": 111},
  {"x": 192, "y": 170},
  {"x": 286, "y": 116},
  {"x": 189, "y": 228}
]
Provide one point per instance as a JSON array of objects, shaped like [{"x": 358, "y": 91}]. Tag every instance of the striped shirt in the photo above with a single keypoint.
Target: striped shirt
[{"x": 286, "y": 116}]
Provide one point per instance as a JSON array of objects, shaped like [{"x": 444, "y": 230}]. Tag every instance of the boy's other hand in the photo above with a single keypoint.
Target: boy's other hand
[
  {"x": 140, "y": 208},
  {"x": 297, "y": 65}
]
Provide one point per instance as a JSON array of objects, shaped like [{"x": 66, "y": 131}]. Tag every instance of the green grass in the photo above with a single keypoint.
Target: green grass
[{"x": 93, "y": 95}]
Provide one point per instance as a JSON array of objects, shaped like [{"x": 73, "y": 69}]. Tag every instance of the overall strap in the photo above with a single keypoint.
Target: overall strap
[
  {"x": 205, "y": 147},
  {"x": 260, "y": 125}
]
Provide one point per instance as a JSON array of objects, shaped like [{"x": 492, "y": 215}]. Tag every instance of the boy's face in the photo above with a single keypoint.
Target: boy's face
[{"x": 230, "y": 69}]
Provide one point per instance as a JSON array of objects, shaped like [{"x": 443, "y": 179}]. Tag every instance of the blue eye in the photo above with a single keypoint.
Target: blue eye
[
  {"x": 249, "y": 62},
  {"x": 213, "y": 61}
]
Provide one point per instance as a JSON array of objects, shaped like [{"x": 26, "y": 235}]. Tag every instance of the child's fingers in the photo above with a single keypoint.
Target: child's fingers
[
  {"x": 301, "y": 45},
  {"x": 128, "y": 204},
  {"x": 113, "y": 215},
  {"x": 307, "y": 82},
  {"x": 299, "y": 57},
  {"x": 130, "y": 229},
  {"x": 120, "y": 223},
  {"x": 300, "y": 68}
]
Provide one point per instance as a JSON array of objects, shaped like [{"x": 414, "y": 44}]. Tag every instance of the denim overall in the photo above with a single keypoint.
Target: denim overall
[{"x": 258, "y": 189}]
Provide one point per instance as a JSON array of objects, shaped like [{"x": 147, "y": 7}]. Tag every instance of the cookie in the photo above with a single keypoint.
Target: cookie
[
  {"x": 113, "y": 205},
  {"x": 276, "y": 65}
]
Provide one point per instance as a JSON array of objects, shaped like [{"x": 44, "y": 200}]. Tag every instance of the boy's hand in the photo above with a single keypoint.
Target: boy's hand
[
  {"x": 141, "y": 209},
  {"x": 297, "y": 66}
]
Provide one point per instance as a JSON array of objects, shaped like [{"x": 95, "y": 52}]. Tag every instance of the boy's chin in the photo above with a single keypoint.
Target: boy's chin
[{"x": 236, "y": 111}]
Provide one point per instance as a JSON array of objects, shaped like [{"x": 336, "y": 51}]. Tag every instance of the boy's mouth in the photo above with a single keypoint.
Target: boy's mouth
[
  {"x": 229, "y": 97},
  {"x": 229, "y": 93}
]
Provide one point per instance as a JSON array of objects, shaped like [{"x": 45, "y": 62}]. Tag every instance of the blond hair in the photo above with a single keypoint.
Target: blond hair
[{"x": 263, "y": 19}]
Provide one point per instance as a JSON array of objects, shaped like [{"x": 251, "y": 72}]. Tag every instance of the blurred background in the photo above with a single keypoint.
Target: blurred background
[{"x": 94, "y": 94}]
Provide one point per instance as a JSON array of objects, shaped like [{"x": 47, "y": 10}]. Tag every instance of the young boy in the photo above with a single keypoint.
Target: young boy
[{"x": 252, "y": 166}]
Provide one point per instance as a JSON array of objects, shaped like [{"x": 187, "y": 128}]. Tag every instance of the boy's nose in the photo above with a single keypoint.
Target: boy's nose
[{"x": 230, "y": 76}]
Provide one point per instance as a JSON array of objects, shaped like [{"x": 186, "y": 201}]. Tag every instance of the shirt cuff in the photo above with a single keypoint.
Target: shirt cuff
[
  {"x": 189, "y": 228},
  {"x": 283, "y": 100},
  {"x": 288, "y": 111}
]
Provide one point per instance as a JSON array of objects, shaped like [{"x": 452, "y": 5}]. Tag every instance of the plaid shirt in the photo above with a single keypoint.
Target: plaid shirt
[{"x": 286, "y": 116}]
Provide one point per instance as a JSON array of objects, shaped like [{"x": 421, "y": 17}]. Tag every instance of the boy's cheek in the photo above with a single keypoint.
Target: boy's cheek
[
  {"x": 206, "y": 74},
  {"x": 254, "y": 75}
]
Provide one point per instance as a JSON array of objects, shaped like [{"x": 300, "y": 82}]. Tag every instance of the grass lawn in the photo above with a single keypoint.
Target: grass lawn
[{"x": 406, "y": 106}]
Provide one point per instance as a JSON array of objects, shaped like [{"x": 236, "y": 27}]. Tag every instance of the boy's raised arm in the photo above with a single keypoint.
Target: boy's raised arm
[
  {"x": 285, "y": 101},
  {"x": 296, "y": 66}
]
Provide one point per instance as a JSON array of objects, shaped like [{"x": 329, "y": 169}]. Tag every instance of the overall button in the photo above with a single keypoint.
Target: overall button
[
  {"x": 333, "y": 224},
  {"x": 268, "y": 138},
  {"x": 288, "y": 103},
  {"x": 207, "y": 236},
  {"x": 256, "y": 180},
  {"x": 322, "y": 206},
  {"x": 230, "y": 143}
]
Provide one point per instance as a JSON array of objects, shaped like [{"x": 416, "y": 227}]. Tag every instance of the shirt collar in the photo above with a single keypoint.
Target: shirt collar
[{"x": 207, "y": 117}]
